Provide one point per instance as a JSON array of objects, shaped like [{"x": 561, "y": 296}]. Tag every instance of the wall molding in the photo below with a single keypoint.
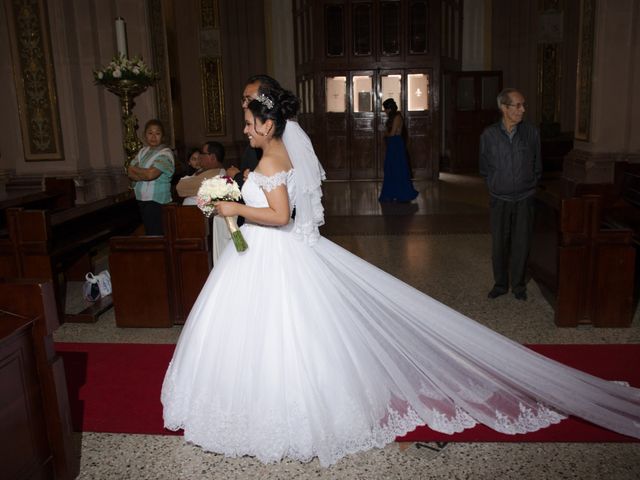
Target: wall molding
[
  {"x": 586, "y": 39},
  {"x": 34, "y": 78}
]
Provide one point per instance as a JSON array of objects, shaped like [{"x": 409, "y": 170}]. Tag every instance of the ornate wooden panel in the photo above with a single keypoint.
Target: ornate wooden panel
[
  {"x": 420, "y": 143},
  {"x": 390, "y": 42},
  {"x": 213, "y": 95},
  {"x": 35, "y": 79},
  {"x": 471, "y": 107},
  {"x": 334, "y": 28},
  {"x": 363, "y": 146},
  {"x": 585, "y": 68},
  {"x": 362, "y": 15},
  {"x": 360, "y": 41},
  {"x": 335, "y": 153}
]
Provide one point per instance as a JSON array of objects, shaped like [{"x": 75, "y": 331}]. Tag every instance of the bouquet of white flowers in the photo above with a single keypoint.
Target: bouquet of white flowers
[{"x": 222, "y": 188}]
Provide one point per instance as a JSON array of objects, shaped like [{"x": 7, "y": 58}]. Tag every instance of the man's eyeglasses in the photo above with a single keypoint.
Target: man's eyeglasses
[{"x": 517, "y": 106}]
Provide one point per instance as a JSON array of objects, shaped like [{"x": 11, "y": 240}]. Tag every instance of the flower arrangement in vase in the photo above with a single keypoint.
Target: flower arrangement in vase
[{"x": 128, "y": 69}]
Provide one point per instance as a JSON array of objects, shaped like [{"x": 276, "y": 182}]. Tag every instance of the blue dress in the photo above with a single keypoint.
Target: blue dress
[{"x": 397, "y": 185}]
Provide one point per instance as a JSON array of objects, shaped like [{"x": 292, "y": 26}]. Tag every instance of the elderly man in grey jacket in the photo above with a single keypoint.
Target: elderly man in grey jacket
[{"x": 511, "y": 164}]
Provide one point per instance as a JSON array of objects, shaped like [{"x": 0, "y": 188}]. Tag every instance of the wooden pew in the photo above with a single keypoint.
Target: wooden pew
[
  {"x": 141, "y": 281},
  {"x": 585, "y": 269},
  {"x": 57, "y": 195},
  {"x": 621, "y": 207},
  {"x": 156, "y": 279},
  {"x": 625, "y": 211},
  {"x": 59, "y": 245},
  {"x": 36, "y": 435}
]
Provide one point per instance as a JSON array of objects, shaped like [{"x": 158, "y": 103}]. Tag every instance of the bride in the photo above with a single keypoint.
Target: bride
[{"x": 297, "y": 348}]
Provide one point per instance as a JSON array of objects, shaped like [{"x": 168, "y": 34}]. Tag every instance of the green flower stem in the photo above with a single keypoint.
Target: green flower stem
[
  {"x": 236, "y": 235},
  {"x": 239, "y": 242}
]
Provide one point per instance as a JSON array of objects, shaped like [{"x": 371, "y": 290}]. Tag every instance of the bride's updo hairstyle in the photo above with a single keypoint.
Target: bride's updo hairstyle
[{"x": 278, "y": 105}]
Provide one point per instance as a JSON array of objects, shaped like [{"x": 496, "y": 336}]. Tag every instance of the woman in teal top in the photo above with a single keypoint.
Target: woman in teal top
[{"x": 152, "y": 170}]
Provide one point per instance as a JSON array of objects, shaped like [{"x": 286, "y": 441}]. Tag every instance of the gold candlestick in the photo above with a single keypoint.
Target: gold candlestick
[
  {"x": 127, "y": 79},
  {"x": 127, "y": 90}
]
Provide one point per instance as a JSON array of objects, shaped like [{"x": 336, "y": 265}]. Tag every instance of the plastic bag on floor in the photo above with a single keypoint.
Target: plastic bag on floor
[
  {"x": 96, "y": 286},
  {"x": 90, "y": 288},
  {"x": 104, "y": 283}
]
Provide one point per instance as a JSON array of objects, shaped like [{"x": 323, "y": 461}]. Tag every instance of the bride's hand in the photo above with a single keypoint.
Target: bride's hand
[{"x": 226, "y": 209}]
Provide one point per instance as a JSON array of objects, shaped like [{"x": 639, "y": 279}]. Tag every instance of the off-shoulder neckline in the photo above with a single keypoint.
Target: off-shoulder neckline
[{"x": 275, "y": 174}]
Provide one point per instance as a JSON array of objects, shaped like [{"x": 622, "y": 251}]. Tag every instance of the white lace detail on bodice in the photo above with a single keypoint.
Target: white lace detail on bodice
[
  {"x": 253, "y": 190},
  {"x": 268, "y": 183}
]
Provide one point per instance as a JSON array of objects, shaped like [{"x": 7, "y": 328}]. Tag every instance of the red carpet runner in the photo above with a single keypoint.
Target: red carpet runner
[{"x": 116, "y": 388}]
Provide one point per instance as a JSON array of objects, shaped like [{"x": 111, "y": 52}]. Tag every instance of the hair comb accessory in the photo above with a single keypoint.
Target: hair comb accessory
[{"x": 264, "y": 100}]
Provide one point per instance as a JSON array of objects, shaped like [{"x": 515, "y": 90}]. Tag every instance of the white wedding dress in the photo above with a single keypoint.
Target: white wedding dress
[{"x": 303, "y": 351}]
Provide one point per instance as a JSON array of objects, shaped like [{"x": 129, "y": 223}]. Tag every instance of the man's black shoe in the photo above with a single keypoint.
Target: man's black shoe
[
  {"x": 495, "y": 293},
  {"x": 520, "y": 296}
]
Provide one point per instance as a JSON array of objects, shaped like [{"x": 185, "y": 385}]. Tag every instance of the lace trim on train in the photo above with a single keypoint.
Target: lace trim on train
[
  {"x": 268, "y": 183},
  {"x": 270, "y": 438},
  {"x": 528, "y": 420}
]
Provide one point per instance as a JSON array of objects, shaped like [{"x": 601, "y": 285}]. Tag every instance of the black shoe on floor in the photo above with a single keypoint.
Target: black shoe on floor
[
  {"x": 521, "y": 296},
  {"x": 495, "y": 293}
]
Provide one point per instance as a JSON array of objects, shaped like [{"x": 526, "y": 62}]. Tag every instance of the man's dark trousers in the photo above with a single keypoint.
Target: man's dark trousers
[{"x": 511, "y": 231}]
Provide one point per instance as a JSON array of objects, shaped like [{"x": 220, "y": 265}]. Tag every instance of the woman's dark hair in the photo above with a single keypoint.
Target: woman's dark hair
[
  {"x": 391, "y": 105},
  {"x": 269, "y": 85},
  {"x": 154, "y": 122},
  {"x": 277, "y": 105}
]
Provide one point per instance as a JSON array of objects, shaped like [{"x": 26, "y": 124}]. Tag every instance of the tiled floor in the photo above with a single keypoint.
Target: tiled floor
[{"x": 440, "y": 246}]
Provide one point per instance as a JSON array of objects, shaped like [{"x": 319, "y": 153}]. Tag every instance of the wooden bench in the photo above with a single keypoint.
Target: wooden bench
[
  {"x": 625, "y": 211},
  {"x": 585, "y": 269},
  {"x": 58, "y": 194},
  {"x": 156, "y": 279},
  {"x": 621, "y": 207},
  {"x": 59, "y": 246},
  {"x": 36, "y": 435}
]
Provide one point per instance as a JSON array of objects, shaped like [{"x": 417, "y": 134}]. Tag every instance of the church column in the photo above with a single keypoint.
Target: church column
[
  {"x": 607, "y": 102},
  {"x": 279, "y": 44},
  {"x": 476, "y": 35}
]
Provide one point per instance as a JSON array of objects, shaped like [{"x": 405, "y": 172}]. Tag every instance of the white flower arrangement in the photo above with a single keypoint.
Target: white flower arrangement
[
  {"x": 217, "y": 189},
  {"x": 123, "y": 68},
  {"x": 222, "y": 188}
]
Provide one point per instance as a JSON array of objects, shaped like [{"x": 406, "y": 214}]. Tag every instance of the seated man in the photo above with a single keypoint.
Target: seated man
[
  {"x": 210, "y": 163},
  {"x": 211, "y": 159}
]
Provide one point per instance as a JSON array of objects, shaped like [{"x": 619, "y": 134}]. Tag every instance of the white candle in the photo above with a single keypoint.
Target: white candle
[{"x": 121, "y": 37}]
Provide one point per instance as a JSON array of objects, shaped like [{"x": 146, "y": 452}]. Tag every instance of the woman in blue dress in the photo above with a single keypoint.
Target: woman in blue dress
[{"x": 397, "y": 185}]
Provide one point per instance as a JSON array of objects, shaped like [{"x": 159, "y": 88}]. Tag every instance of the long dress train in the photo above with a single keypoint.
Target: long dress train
[{"x": 299, "y": 351}]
